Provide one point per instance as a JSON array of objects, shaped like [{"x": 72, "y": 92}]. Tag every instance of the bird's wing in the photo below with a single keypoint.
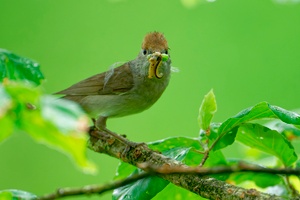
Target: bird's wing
[{"x": 115, "y": 81}]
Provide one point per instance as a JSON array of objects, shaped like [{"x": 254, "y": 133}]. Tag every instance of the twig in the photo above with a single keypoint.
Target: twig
[
  {"x": 205, "y": 157},
  {"x": 295, "y": 193},
  {"x": 206, "y": 153},
  {"x": 241, "y": 167},
  {"x": 93, "y": 189},
  {"x": 164, "y": 170}
]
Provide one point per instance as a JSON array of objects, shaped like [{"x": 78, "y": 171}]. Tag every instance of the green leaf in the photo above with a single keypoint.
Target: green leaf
[
  {"x": 57, "y": 123},
  {"x": 298, "y": 164},
  {"x": 16, "y": 194},
  {"x": 226, "y": 140},
  {"x": 145, "y": 188},
  {"x": 193, "y": 157},
  {"x": 64, "y": 114},
  {"x": 172, "y": 142},
  {"x": 207, "y": 110},
  {"x": 180, "y": 148},
  {"x": 183, "y": 149},
  {"x": 267, "y": 140},
  {"x": 216, "y": 158},
  {"x": 148, "y": 187},
  {"x": 6, "y": 195},
  {"x": 62, "y": 125},
  {"x": 7, "y": 127},
  {"x": 172, "y": 192},
  {"x": 262, "y": 180},
  {"x": 259, "y": 111},
  {"x": 14, "y": 67},
  {"x": 5, "y": 123},
  {"x": 5, "y": 101},
  {"x": 291, "y": 132},
  {"x": 124, "y": 170},
  {"x": 22, "y": 94}
]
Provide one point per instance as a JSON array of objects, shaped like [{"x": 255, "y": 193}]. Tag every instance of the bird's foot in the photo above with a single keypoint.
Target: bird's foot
[
  {"x": 130, "y": 150},
  {"x": 123, "y": 139},
  {"x": 96, "y": 132},
  {"x": 92, "y": 128},
  {"x": 100, "y": 124}
]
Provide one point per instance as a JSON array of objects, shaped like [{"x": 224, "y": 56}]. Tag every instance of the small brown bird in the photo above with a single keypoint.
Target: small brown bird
[{"x": 128, "y": 89}]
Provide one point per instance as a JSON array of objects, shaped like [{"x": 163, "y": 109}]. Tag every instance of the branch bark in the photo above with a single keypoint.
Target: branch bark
[{"x": 203, "y": 186}]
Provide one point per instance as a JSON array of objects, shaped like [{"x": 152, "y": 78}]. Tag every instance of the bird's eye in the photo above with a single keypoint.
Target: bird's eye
[
  {"x": 144, "y": 51},
  {"x": 165, "y": 51}
]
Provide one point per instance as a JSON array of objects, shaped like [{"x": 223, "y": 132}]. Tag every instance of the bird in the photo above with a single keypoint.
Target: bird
[{"x": 127, "y": 89}]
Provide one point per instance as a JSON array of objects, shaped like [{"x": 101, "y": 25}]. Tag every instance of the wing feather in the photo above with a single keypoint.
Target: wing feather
[{"x": 106, "y": 83}]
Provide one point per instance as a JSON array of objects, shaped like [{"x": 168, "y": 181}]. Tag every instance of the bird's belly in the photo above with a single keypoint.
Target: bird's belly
[{"x": 117, "y": 105}]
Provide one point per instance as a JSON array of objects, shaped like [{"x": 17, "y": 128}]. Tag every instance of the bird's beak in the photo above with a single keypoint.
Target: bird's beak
[{"x": 155, "y": 61}]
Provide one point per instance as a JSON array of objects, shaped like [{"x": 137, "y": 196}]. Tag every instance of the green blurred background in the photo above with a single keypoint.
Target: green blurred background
[{"x": 248, "y": 51}]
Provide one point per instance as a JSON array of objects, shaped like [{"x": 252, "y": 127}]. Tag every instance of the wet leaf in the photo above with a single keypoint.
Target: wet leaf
[
  {"x": 259, "y": 111},
  {"x": 291, "y": 132},
  {"x": 5, "y": 123},
  {"x": 59, "y": 124},
  {"x": 267, "y": 140},
  {"x": 226, "y": 140},
  {"x": 145, "y": 188},
  {"x": 16, "y": 194},
  {"x": 17, "y": 68},
  {"x": 61, "y": 127},
  {"x": 193, "y": 157},
  {"x": 172, "y": 142}
]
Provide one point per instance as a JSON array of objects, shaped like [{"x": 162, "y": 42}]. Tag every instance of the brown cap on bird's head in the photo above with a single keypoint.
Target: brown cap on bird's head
[{"x": 155, "y": 41}]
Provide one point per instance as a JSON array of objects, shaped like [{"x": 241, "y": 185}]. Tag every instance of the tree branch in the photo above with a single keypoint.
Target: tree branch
[
  {"x": 153, "y": 163},
  {"x": 203, "y": 186}
]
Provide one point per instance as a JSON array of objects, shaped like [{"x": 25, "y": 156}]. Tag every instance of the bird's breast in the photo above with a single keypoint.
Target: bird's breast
[{"x": 148, "y": 90}]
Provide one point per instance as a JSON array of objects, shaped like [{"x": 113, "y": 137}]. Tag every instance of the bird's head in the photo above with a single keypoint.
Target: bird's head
[
  {"x": 155, "y": 49},
  {"x": 154, "y": 42}
]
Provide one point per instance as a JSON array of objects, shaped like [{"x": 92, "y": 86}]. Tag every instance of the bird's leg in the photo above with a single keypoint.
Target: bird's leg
[{"x": 100, "y": 123}]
